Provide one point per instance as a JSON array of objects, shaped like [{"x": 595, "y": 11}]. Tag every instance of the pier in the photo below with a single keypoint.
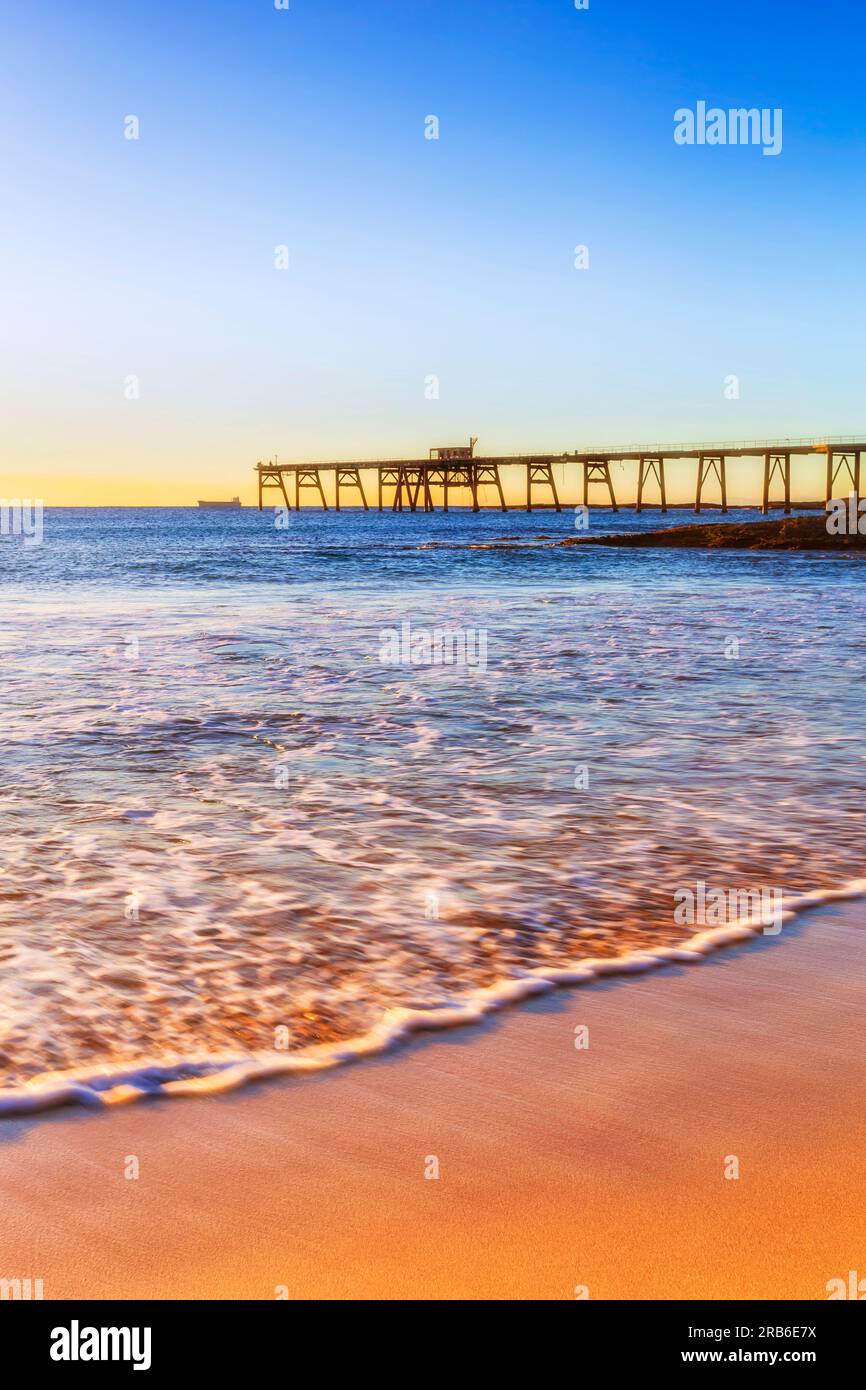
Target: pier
[{"x": 415, "y": 484}]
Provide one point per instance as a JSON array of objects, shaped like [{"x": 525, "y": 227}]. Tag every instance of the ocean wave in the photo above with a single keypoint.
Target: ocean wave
[{"x": 123, "y": 1084}]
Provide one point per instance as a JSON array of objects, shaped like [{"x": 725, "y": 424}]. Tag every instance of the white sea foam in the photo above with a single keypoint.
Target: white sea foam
[{"x": 112, "y": 1086}]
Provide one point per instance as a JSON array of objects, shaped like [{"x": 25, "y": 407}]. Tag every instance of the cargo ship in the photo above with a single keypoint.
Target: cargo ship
[{"x": 232, "y": 505}]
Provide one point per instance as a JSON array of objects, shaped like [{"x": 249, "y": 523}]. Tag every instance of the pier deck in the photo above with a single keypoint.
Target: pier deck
[{"x": 410, "y": 483}]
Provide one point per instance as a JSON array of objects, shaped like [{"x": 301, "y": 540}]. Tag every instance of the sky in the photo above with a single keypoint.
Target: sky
[{"x": 154, "y": 348}]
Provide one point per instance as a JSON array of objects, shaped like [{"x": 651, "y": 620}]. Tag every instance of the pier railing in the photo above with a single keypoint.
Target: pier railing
[{"x": 815, "y": 443}]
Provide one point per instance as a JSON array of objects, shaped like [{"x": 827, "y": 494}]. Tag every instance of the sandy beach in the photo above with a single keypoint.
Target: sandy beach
[{"x": 558, "y": 1167}]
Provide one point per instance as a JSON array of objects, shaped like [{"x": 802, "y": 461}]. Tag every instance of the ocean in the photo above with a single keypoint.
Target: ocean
[{"x": 274, "y": 796}]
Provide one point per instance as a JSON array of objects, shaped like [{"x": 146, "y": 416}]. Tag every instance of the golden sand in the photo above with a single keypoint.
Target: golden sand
[{"x": 559, "y": 1167}]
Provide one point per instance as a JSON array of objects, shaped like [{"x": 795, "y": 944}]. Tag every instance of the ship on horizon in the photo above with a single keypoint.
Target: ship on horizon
[{"x": 232, "y": 505}]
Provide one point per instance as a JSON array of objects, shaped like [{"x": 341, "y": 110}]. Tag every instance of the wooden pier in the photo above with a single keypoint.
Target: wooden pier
[{"x": 413, "y": 484}]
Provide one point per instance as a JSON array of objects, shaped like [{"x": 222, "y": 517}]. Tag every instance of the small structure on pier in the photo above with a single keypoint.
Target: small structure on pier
[{"x": 454, "y": 451}]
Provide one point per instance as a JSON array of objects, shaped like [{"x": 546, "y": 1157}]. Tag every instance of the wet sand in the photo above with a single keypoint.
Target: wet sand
[{"x": 558, "y": 1167}]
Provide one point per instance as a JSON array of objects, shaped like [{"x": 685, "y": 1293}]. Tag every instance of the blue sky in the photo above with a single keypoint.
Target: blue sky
[{"x": 411, "y": 258}]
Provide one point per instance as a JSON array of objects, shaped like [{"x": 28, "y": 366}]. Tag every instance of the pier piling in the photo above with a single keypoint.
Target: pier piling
[
  {"x": 849, "y": 462},
  {"x": 598, "y": 471},
  {"x": 651, "y": 467},
  {"x": 707, "y": 465},
  {"x": 348, "y": 477},
  {"x": 776, "y": 463},
  {"x": 540, "y": 470}
]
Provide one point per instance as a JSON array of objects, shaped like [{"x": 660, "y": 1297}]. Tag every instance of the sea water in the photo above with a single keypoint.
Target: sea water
[{"x": 242, "y": 827}]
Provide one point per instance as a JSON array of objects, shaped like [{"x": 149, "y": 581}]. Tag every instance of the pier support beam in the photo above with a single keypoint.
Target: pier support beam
[
  {"x": 707, "y": 465},
  {"x": 428, "y": 496},
  {"x": 776, "y": 463},
  {"x": 541, "y": 471},
  {"x": 397, "y": 504},
  {"x": 308, "y": 477},
  {"x": 411, "y": 477},
  {"x": 349, "y": 477},
  {"x": 648, "y": 468},
  {"x": 416, "y": 479},
  {"x": 453, "y": 475},
  {"x": 272, "y": 476},
  {"x": 473, "y": 487},
  {"x": 387, "y": 478},
  {"x": 489, "y": 473},
  {"x": 848, "y": 462},
  {"x": 598, "y": 471}
]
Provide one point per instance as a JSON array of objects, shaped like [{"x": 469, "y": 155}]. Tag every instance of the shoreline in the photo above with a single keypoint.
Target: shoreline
[
  {"x": 125, "y": 1083},
  {"x": 558, "y": 1167}
]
